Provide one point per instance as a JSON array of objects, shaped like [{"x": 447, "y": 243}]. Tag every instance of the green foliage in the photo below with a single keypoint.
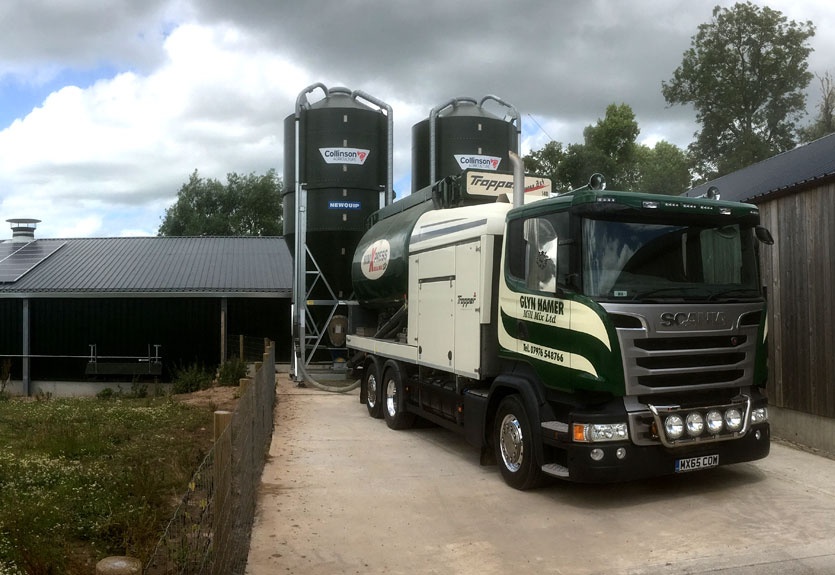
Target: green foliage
[
  {"x": 547, "y": 161},
  {"x": 82, "y": 479},
  {"x": 663, "y": 169},
  {"x": 5, "y": 376},
  {"x": 231, "y": 372},
  {"x": 245, "y": 206},
  {"x": 191, "y": 378},
  {"x": 824, "y": 124},
  {"x": 745, "y": 74},
  {"x": 610, "y": 148}
]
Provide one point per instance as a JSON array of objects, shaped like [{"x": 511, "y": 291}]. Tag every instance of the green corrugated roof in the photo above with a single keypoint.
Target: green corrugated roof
[{"x": 169, "y": 266}]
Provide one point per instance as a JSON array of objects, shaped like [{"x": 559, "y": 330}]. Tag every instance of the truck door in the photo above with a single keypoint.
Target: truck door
[{"x": 536, "y": 320}]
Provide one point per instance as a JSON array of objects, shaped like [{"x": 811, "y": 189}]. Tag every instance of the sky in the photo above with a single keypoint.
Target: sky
[{"x": 108, "y": 106}]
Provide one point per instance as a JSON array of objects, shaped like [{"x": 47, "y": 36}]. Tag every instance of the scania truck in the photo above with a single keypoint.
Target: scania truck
[{"x": 592, "y": 336}]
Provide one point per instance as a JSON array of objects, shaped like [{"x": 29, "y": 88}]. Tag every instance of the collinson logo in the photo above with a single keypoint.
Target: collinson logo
[
  {"x": 477, "y": 161},
  {"x": 354, "y": 156}
]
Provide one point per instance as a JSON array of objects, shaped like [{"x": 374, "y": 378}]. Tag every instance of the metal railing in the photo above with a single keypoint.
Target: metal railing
[{"x": 210, "y": 531}]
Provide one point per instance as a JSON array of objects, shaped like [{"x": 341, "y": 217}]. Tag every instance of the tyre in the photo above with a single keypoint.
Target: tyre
[
  {"x": 373, "y": 388},
  {"x": 513, "y": 442},
  {"x": 394, "y": 398}
]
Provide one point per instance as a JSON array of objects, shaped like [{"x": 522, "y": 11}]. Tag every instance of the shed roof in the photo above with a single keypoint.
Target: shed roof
[
  {"x": 810, "y": 164},
  {"x": 159, "y": 266}
]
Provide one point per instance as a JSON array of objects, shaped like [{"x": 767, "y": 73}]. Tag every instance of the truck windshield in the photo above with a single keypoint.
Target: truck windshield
[{"x": 624, "y": 261}]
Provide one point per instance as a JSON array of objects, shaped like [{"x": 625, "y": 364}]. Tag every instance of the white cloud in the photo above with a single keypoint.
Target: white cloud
[{"x": 133, "y": 139}]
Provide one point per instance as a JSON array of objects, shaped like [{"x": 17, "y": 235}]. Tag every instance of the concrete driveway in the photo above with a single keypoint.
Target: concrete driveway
[{"x": 341, "y": 493}]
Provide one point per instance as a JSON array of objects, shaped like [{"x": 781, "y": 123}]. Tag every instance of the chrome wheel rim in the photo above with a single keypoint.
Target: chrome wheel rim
[
  {"x": 371, "y": 390},
  {"x": 510, "y": 442},
  {"x": 391, "y": 397}
]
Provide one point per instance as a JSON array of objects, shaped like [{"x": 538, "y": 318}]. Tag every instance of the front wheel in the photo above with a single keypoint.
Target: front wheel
[
  {"x": 394, "y": 398},
  {"x": 513, "y": 442}
]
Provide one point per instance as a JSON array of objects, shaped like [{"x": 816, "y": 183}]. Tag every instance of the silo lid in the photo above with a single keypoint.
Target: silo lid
[
  {"x": 466, "y": 108},
  {"x": 338, "y": 97}
]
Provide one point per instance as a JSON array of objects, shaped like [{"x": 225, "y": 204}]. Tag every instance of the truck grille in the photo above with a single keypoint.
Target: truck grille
[{"x": 659, "y": 360}]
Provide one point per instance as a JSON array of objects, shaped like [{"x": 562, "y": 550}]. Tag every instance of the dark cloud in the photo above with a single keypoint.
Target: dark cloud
[
  {"x": 40, "y": 36},
  {"x": 554, "y": 59}
]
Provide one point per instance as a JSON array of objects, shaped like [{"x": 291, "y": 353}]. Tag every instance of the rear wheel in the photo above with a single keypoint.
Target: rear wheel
[
  {"x": 394, "y": 398},
  {"x": 373, "y": 400},
  {"x": 513, "y": 442}
]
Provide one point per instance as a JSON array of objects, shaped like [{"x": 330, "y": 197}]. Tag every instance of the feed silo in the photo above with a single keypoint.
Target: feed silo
[
  {"x": 462, "y": 134},
  {"x": 339, "y": 149}
]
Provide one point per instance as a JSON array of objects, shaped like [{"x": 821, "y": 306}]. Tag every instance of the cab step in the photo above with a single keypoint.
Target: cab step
[{"x": 555, "y": 469}]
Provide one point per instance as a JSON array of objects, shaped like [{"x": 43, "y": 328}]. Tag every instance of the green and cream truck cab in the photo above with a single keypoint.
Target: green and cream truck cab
[{"x": 593, "y": 336}]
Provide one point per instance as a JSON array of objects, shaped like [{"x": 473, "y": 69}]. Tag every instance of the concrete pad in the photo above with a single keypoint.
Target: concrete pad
[{"x": 341, "y": 493}]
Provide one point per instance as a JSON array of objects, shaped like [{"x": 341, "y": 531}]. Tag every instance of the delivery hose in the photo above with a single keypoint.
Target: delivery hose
[
  {"x": 392, "y": 326},
  {"x": 308, "y": 379}
]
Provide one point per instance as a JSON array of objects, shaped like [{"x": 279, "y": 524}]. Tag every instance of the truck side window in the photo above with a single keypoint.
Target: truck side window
[
  {"x": 538, "y": 251},
  {"x": 515, "y": 249},
  {"x": 540, "y": 255}
]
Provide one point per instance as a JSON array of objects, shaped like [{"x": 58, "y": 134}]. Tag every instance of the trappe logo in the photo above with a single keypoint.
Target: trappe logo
[
  {"x": 354, "y": 156},
  {"x": 478, "y": 161}
]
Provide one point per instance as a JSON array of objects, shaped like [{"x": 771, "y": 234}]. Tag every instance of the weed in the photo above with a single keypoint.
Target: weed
[
  {"x": 138, "y": 389},
  {"x": 231, "y": 372},
  {"x": 5, "y": 377},
  {"x": 192, "y": 378}
]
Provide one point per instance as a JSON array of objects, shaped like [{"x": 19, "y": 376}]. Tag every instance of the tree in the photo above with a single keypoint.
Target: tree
[
  {"x": 745, "y": 74},
  {"x": 546, "y": 162},
  {"x": 245, "y": 206},
  {"x": 610, "y": 148},
  {"x": 825, "y": 122},
  {"x": 663, "y": 169}
]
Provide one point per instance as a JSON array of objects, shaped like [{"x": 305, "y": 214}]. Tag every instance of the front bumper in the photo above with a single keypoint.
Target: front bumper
[{"x": 641, "y": 462}]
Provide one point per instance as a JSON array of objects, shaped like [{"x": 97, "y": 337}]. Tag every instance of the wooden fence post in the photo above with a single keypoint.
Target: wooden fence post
[
  {"x": 119, "y": 566},
  {"x": 222, "y": 484}
]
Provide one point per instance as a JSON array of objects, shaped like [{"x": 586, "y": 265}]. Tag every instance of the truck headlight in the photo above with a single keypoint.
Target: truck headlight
[
  {"x": 674, "y": 426},
  {"x": 714, "y": 421},
  {"x": 733, "y": 419},
  {"x": 596, "y": 432},
  {"x": 695, "y": 424},
  {"x": 759, "y": 415}
]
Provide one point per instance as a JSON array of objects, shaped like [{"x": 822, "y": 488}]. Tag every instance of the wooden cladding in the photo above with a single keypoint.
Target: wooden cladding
[{"x": 798, "y": 271}]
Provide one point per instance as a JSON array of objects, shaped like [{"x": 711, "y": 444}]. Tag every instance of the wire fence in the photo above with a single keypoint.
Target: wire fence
[
  {"x": 210, "y": 531},
  {"x": 245, "y": 347}
]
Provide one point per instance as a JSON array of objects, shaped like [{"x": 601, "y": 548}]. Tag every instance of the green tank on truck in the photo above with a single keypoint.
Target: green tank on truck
[{"x": 594, "y": 336}]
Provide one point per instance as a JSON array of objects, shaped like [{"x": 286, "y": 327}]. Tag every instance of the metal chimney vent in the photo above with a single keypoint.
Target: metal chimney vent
[{"x": 23, "y": 229}]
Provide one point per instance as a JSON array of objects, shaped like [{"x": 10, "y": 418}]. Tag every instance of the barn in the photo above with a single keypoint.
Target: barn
[
  {"x": 91, "y": 309},
  {"x": 795, "y": 192}
]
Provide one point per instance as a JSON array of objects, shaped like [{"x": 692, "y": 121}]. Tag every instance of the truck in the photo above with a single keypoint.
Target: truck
[{"x": 591, "y": 336}]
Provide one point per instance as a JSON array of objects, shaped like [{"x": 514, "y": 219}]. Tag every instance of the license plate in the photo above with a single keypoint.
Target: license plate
[{"x": 696, "y": 463}]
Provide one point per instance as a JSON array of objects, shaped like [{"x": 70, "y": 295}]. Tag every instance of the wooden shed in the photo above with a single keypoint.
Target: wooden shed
[{"x": 795, "y": 192}]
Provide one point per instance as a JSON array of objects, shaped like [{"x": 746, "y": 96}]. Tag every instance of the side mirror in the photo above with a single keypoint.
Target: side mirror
[{"x": 764, "y": 235}]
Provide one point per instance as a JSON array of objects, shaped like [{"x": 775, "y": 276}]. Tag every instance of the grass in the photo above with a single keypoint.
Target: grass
[{"x": 82, "y": 479}]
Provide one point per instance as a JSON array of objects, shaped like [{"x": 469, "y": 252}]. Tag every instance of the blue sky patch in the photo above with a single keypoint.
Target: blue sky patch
[{"x": 17, "y": 98}]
